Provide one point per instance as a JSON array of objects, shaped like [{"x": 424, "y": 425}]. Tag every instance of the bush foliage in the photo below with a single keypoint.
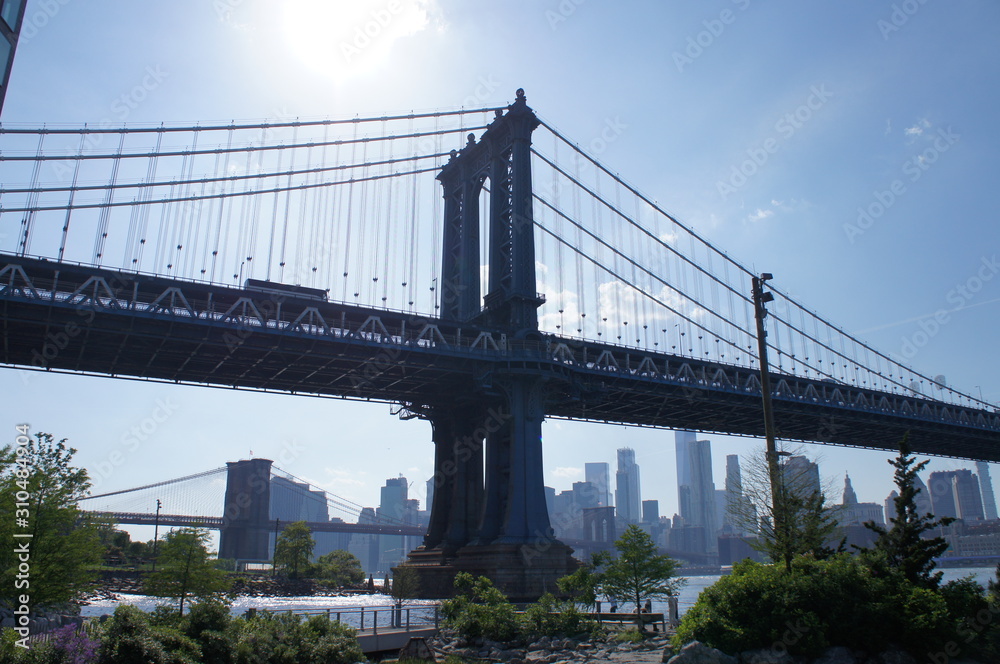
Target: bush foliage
[
  {"x": 207, "y": 635},
  {"x": 836, "y": 602},
  {"x": 480, "y": 610}
]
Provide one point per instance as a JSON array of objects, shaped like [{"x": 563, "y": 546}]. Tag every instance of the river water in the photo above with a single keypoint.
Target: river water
[{"x": 350, "y": 605}]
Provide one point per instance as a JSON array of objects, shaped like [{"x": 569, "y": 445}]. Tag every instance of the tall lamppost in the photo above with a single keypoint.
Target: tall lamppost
[
  {"x": 156, "y": 532},
  {"x": 760, "y": 298}
]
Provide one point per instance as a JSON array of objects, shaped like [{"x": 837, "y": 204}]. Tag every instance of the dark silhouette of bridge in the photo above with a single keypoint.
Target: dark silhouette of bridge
[{"x": 487, "y": 358}]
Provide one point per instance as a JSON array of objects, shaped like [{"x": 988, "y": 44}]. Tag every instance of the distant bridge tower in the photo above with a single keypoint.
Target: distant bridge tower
[
  {"x": 498, "y": 525},
  {"x": 246, "y": 517}
]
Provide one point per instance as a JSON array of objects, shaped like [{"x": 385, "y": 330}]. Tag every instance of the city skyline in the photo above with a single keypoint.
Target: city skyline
[{"x": 913, "y": 273}]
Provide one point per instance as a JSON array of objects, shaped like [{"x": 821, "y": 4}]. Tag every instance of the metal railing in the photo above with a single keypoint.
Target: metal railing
[{"x": 373, "y": 618}]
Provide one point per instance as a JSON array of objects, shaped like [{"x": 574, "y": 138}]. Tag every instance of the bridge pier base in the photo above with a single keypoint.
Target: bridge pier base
[
  {"x": 523, "y": 572},
  {"x": 498, "y": 528}
]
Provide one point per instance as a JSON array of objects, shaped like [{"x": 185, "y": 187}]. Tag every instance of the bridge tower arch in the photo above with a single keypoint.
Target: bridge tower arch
[{"x": 489, "y": 514}]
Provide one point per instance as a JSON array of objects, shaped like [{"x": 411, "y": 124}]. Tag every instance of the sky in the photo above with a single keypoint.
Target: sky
[{"x": 847, "y": 148}]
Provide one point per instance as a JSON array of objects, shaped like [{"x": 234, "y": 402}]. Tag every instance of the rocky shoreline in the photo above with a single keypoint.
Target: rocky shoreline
[
  {"x": 130, "y": 583},
  {"x": 552, "y": 650},
  {"x": 652, "y": 650}
]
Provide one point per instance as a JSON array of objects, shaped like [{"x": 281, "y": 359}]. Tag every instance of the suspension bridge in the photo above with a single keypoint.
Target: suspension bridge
[
  {"x": 311, "y": 257},
  {"x": 209, "y": 500}
]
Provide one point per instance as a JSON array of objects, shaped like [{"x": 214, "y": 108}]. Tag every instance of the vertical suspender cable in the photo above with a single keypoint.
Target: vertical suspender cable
[
  {"x": 29, "y": 217},
  {"x": 288, "y": 203},
  {"x": 104, "y": 217}
]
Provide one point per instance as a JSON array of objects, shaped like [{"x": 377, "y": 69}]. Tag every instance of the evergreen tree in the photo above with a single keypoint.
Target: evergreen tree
[
  {"x": 185, "y": 570},
  {"x": 903, "y": 546},
  {"x": 294, "y": 548},
  {"x": 39, "y": 492},
  {"x": 638, "y": 573}
]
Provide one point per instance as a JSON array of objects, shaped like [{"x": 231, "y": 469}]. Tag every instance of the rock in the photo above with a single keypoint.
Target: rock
[
  {"x": 538, "y": 656},
  {"x": 698, "y": 653},
  {"x": 838, "y": 655},
  {"x": 893, "y": 656},
  {"x": 536, "y": 646},
  {"x": 8, "y": 622},
  {"x": 417, "y": 648},
  {"x": 766, "y": 656}
]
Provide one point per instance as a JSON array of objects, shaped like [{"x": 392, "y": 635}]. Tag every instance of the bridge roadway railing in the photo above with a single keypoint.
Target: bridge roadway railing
[{"x": 245, "y": 311}]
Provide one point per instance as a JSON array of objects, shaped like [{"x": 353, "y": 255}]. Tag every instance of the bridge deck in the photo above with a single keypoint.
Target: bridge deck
[{"x": 65, "y": 317}]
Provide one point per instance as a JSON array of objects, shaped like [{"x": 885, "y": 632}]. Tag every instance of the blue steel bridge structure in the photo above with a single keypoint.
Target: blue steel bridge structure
[{"x": 529, "y": 282}]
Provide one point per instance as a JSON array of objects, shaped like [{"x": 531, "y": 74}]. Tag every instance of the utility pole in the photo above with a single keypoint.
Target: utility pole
[
  {"x": 274, "y": 560},
  {"x": 156, "y": 532},
  {"x": 760, "y": 298}
]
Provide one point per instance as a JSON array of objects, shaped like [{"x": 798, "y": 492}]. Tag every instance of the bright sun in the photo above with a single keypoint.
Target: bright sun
[{"x": 345, "y": 38}]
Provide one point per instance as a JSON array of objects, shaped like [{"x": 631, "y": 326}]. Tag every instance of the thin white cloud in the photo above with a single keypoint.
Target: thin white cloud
[
  {"x": 760, "y": 214},
  {"x": 918, "y": 128}
]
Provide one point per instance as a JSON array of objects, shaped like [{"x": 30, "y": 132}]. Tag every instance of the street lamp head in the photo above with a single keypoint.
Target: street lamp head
[
  {"x": 766, "y": 276},
  {"x": 767, "y": 297}
]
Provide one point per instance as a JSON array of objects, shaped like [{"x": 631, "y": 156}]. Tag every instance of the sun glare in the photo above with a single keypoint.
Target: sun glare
[{"x": 345, "y": 38}]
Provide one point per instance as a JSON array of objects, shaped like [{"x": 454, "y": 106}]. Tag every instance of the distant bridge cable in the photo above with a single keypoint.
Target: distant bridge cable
[{"x": 158, "y": 484}]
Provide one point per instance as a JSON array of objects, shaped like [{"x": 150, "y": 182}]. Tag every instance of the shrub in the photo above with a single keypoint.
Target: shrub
[
  {"x": 480, "y": 610},
  {"x": 550, "y": 617},
  {"x": 835, "y": 602},
  {"x": 74, "y": 645},
  {"x": 208, "y": 623},
  {"x": 128, "y": 639},
  {"x": 179, "y": 648},
  {"x": 268, "y": 638}
]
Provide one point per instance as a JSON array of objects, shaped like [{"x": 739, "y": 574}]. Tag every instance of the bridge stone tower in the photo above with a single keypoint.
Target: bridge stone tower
[
  {"x": 246, "y": 518},
  {"x": 497, "y": 525}
]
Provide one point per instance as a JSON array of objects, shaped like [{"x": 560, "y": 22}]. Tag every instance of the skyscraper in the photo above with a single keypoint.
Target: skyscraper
[
  {"x": 627, "y": 495},
  {"x": 956, "y": 493},
  {"x": 923, "y": 497},
  {"x": 850, "y": 498},
  {"x": 986, "y": 484},
  {"x": 695, "y": 487},
  {"x": 651, "y": 511},
  {"x": 394, "y": 508},
  {"x": 734, "y": 504},
  {"x": 890, "y": 506},
  {"x": 599, "y": 474},
  {"x": 801, "y": 476}
]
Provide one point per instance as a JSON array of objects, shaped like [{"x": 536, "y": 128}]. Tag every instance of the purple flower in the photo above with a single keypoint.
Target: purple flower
[{"x": 76, "y": 646}]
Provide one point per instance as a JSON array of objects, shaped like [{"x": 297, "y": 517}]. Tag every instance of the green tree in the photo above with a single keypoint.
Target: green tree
[
  {"x": 584, "y": 584},
  {"x": 38, "y": 483},
  {"x": 294, "y": 548},
  {"x": 185, "y": 570},
  {"x": 903, "y": 546},
  {"x": 340, "y": 568},
  {"x": 638, "y": 573}
]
